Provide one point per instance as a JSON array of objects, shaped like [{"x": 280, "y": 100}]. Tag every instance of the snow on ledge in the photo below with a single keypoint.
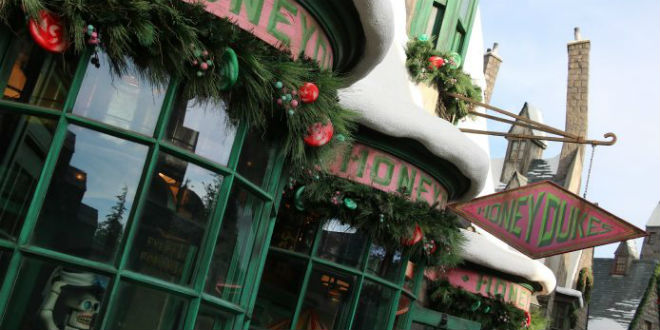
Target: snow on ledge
[
  {"x": 481, "y": 250},
  {"x": 571, "y": 293}
]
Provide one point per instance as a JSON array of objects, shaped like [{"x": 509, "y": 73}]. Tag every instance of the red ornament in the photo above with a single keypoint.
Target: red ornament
[
  {"x": 48, "y": 32},
  {"x": 436, "y": 62},
  {"x": 528, "y": 319},
  {"x": 309, "y": 92},
  {"x": 417, "y": 236},
  {"x": 319, "y": 134}
]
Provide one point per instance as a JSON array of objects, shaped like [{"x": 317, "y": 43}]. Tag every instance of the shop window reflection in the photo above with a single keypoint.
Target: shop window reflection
[
  {"x": 202, "y": 127},
  {"x": 384, "y": 263},
  {"x": 48, "y": 297},
  {"x": 4, "y": 263},
  {"x": 144, "y": 308},
  {"x": 233, "y": 248},
  {"x": 374, "y": 307},
  {"x": 327, "y": 301},
  {"x": 255, "y": 157},
  {"x": 342, "y": 243},
  {"x": 278, "y": 292},
  {"x": 90, "y": 195},
  {"x": 294, "y": 230},
  {"x": 37, "y": 77},
  {"x": 210, "y": 318},
  {"x": 128, "y": 101},
  {"x": 170, "y": 231},
  {"x": 24, "y": 144}
]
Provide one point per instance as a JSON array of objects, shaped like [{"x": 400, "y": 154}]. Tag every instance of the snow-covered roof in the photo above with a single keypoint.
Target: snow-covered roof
[
  {"x": 654, "y": 219},
  {"x": 386, "y": 103},
  {"x": 536, "y": 115},
  {"x": 481, "y": 250},
  {"x": 571, "y": 293}
]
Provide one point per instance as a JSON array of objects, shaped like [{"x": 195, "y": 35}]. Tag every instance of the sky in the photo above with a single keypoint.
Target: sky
[{"x": 624, "y": 89}]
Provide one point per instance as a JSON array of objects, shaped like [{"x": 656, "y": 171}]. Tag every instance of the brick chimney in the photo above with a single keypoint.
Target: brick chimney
[
  {"x": 492, "y": 62},
  {"x": 577, "y": 94}
]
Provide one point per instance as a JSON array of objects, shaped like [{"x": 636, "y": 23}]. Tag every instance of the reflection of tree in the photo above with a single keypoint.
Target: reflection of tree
[
  {"x": 211, "y": 191},
  {"x": 110, "y": 230}
]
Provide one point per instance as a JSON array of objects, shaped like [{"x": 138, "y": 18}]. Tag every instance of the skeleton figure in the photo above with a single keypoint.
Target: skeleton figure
[{"x": 80, "y": 303}]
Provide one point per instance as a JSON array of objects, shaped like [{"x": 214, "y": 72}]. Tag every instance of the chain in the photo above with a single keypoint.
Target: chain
[{"x": 591, "y": 163}]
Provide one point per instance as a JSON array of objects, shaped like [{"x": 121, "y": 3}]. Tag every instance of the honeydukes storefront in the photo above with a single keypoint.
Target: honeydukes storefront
[{"x": 142, "y": 145}]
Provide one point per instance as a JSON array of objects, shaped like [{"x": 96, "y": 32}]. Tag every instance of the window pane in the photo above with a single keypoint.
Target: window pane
[
  {"x": 24, "y": 144},
  {"x": 374, "y": 307},
  {"x": 5, "y": 255},
  {"x": 210, "y": 318},
  {"x": 402, "y": 310},
  {"x": 233, "y": 248},
  {"x": 47, "y": 295},
  {"x": 464, "y": 10},
  {"x": 141, "y": 308},
  {"x": 294, "y": 230},
  {"x": 202, "y": 128},
  {"x": 129, "y": 102},
  {"x": 384, "y": 263},
  {"x": 342, "y": 243},
  {"x": 327, "y": 300},
  {"x": 435, "y": 21},
  {"x": 278, "y": 293},
  {"x": 171, "y": 229},
  {"x": 37, "y": 77},
  {"x": 255, "y": 157},
  {"x": 90, "y": 194}
]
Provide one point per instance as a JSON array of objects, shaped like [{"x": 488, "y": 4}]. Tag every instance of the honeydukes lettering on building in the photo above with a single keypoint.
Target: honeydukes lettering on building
[{"x": 281, "y": 23}]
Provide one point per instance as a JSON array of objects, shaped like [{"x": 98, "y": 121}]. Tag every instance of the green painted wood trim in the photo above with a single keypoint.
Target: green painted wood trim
[{"x": 341, "y": 23}]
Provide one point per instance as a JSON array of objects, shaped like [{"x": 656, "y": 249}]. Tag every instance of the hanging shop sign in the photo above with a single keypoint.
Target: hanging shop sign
[
  {"x": 544, "y": 219},
  {"x": 282, "y": 23},
  {"x": 388, "y": 173},
  {"x": 486, "y": 285}
]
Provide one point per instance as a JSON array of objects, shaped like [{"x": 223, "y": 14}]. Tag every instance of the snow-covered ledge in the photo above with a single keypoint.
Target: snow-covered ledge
[
  {"x": 386, "y": 102},
  {"x": 481, "y": 250}
]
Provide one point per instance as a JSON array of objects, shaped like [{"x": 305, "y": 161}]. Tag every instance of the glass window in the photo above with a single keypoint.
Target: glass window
[
  {"x": 255, "y": 157},
  {"x": 144, "y": 308},
  {"x": 37, "y": 77},
  {"x": 342, "y": 243},
  {"x": 434, "y": 24},
  {"x": 294, "y": 230},
  {"x": 90, "y": 195},
  {"x": 47, "y": 296},
  {"x": 202, "y": 128},
  {"x": 5, "y": 255},
  {"x": 384, "y": 263},
  {"x": 129, "y": 102},
  {"x": 327, "y": 300},
  {"x": 374, "y": 307},
  {"x": 278, "y": 292},
  {"x": 210, "y": 318},
  {"x": 175, "y": 217},
  {"x": 233, "y": 247},
  {"x": 24, "y": 144}
]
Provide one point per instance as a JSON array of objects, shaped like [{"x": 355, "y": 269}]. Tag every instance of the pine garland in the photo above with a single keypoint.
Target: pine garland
[
  {"x": 389, "y": 218},
  {"x": 492, "y": 312},
  {"x": 163, "y": 37},
  {"x": 448, "y": 78}
]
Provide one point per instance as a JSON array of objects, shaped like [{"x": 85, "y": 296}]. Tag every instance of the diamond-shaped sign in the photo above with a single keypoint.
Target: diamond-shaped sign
[{"x": 544, "y": 219}]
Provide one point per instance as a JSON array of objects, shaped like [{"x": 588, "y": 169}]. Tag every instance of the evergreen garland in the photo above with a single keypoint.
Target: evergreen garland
[
  {"x": 585, "y": 283},
  {"x": 163, "y": 38},
  {"x": 389, "y": 218},
  {"x": 492, "y": 312},
  {"x": 447, "y": 79}
]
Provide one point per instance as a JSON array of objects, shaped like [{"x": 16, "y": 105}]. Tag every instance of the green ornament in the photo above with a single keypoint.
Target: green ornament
[
  {"x": 279, "y": 85},
  {"x": 340, "y": 137},
  {"x": 209, "y": 62},
  {"x": 475, "y": 306},
  {"x": 289, "y": 97},
  {"x": 350, "y": 204},
  {"x": 298, "y": 201},
  {"x": 291, "y": 112},
  {"x": 486, "y": 309},
  {"x": 228, "y": 69},
  {"x": 197, "y": 52},
  {"x": 455, "y": 60},
  {"x": 423, "y": 37},
  {"x": 90, "y": 29},
  {"x": 382, "y": 218},
  {"x": 200, "y": 73}
]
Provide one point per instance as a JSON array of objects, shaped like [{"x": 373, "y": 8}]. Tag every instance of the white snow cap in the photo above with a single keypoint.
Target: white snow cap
[
  {"x": 376, "y": 19},
  {"x": 480, "y": 250},
  {"x": 386, "y": 103}
]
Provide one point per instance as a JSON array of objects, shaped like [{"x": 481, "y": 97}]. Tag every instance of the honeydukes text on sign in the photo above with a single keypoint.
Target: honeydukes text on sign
[
  {"x": 543, "y": 219},
  {"x": 281, "y": 23},
  {"x": 388, "y": 173}
]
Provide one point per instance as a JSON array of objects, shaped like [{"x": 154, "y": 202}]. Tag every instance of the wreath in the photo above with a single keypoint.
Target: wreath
[
  {"x": 442, "y": 70},
  {"x": 213, "y": 58}
]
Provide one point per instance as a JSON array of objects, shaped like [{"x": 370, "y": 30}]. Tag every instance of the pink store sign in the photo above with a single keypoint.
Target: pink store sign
[
  {"x": 281, "y": 23},
  {"x": 544, "y": 219},
  {"x": 385, "y": 172},
  {"x": 489, "y": 286}
]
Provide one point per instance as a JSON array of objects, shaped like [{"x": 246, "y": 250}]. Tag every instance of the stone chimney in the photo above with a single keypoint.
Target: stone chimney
[
  {"x": 492, "y": 62},
  {"x": 577, "y": 94}
]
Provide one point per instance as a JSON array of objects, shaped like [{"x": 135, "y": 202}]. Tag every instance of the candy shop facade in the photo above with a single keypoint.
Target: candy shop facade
[{"x": 130, "y": 204}]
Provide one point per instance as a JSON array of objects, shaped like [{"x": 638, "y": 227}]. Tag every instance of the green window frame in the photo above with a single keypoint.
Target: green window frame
[
  {"x": 197, "y": 299},
  {"x": 452, "y": 25}
]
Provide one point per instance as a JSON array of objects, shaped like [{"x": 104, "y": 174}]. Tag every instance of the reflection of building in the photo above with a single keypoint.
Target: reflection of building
[{"x": 625, "y": 293}]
